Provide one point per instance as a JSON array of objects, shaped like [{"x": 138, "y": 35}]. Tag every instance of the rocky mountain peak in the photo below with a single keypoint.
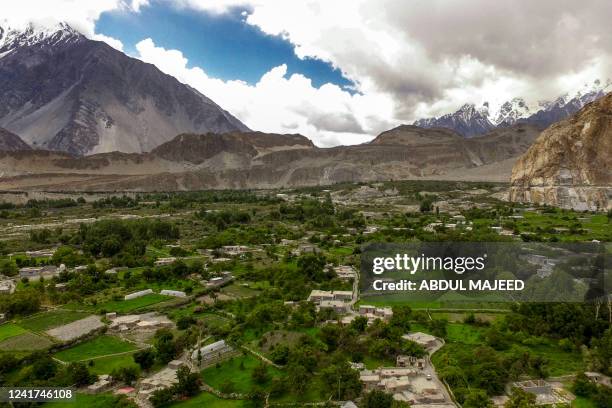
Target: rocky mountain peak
[
  {"x": 53, "y": 35},
  {"x": 62, "y": 91}
]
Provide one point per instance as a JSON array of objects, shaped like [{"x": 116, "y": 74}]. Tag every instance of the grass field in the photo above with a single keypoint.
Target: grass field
[
  {"x": 581, "y": 402},
  {"x": 100, "y": 346},
  {"x": 231, "y": 370},
  {"x": 208, "y": 400},
  {"x": 126, "y": 306},
  {"x": 239, "y": 291},
  {"x": 25, "y": 342},
  {"x": 48, "y": 320},
  {"x": 463, "y": 333},
  {"x": 105, "y": 365},
  {"x": 9, "y": 330}
]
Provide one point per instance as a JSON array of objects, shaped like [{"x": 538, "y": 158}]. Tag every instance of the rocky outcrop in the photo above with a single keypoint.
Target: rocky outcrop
[
  {"x": 569, "y": 164},
  {"x": 11, "y": 142}
]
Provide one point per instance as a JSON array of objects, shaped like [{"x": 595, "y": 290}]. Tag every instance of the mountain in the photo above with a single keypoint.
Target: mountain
[
  {"x": 10, "y": 141},
  {"x": 261, "y": 160},
  {"x": 62, "y": 91},
  {"x": 470, "y": 121},
  {"x": 569, "y": 164}
]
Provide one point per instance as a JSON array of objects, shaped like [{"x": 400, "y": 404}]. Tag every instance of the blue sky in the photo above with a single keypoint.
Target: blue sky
[{"x": 223, "y": 45}]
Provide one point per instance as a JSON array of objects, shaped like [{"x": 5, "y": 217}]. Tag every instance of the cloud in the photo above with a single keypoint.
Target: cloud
[
  {"x": 281, "y": 103},
  {"x": 429, "y": 56},
  {"x": 407, "y": 59},
  {"x": 81, "y": 15}
]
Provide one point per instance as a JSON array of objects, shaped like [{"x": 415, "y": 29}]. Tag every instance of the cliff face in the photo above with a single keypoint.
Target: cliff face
[{"x": 569, "y": 164}]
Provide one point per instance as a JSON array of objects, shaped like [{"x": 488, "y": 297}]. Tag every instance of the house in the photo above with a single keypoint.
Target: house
[
  {"x": 103, "y": 383},
  {"x": 372, "y": 312},
  {"x": 599, "y": 378},
  {"x": 306, "y": 249},
  {"x": 30, "y": 272},
  {"x": 7, "y": 287},
  {"x": 138, "y": 294},
  {"x": 165, "y": 261},
  {"x": 234, "y": 250},
  {"x": 337, "y": 306},
  {"x": 176, "y": 364},
  {"x": 344, "y": 295},
  {"x": 428, "y": 341},
  {"x": 218, "y": 281},
  {"x": 174, "y": 293},
  {"x": 345, "y": 272},
  {"x": 410, "y": 361},
  {"x": 316, "y": 296},
  {"x": 366, "y": 309},
  {"x": 43, "y": 253},
  {"x": 212, "y": 351}
]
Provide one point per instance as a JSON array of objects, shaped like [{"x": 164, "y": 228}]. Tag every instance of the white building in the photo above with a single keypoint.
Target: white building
[
  {"x": 174, "y": 293},
  {"x": 212, "y": 351},
  {"x": 165, "y": 261},
  {"x": 138, "y": 294}
]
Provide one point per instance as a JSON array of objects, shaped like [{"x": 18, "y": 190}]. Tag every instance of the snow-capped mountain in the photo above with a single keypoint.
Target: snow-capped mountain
[
  {"x": 512, "y": 111},
  {"x": 13, "y": 38},
  {"x": 62, "y": 91},
  {"x": 470, "y": 121}
]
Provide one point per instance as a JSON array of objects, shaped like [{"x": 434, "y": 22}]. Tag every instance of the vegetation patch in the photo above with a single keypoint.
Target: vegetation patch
[
  {"x": 48, "y": 320},
  {"x": 100, "y": 346},
  {"x": 25, "y": 342},
  {"x": 9, "y": 330},
  {"x": 236, "y": 374}
]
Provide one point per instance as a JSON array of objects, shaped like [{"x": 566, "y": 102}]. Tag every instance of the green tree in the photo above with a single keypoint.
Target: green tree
[
  {"x": 188, "y": 382},
  {"x": 260, "y": 373},
  {"x": 161, "y": 397},
  {"x": 377, "y": 399},
  {"x": 144, "y": 358},
  {"x": 80, "y": 375},
  {"x": 477, "y": 399},
  {"x": 341, "y": 381}
]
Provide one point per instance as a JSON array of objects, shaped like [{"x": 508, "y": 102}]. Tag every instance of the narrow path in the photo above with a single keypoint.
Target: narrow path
[{"x": 262, "y": 357}]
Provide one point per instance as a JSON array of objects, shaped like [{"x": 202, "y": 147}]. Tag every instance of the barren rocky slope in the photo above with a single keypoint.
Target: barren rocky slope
[
  {"x": 10, "y": 141},
  {"x": 569, "y": 164},
  {"x": 62, "y": 91},
  {"x": 259, "y": 160}
]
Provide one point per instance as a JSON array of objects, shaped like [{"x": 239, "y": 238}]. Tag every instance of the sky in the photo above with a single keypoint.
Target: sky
[{"x": 342, "y": 71}]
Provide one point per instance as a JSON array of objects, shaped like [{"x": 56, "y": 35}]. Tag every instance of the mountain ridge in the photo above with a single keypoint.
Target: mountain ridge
[
  {"x": 261, "y": 160},
  {"x": 471, "y": 121}
]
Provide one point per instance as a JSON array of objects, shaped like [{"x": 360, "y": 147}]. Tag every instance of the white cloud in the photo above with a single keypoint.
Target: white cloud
[
  {"x": 408, "y": 59},
  {"x": 79, "y": 14},
  {"x": 434, "y": 56},
  {"x": 280, "y": 103}
]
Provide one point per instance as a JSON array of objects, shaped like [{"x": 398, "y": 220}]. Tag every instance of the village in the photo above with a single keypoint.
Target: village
[{"x": 241, "y": 314}]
